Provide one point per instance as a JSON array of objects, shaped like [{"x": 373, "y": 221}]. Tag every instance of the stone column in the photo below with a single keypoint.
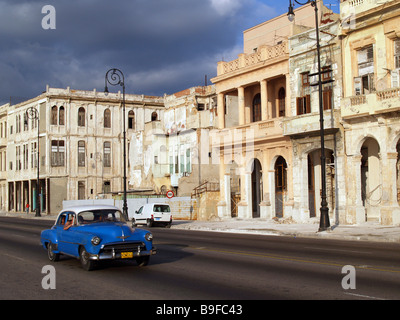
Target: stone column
[
  {"x": 264, "y": 100},
  {"x": 242, "y": 118},
  {"x": 221, "y": 110}
]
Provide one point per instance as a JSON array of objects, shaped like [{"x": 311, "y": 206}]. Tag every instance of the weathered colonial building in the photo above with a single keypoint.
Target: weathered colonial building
[
  {"x": 302, "y": 124},
  {"x": 173, "y": 153},
  {"x": 253, "y": 91},
  {"x": 370, "y": 110},
  {"x": 80, "y": 145}
]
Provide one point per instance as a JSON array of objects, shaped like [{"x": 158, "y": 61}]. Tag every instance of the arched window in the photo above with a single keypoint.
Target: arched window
[
  {"x": 154, "y": 116},
  {"x": 61, "y": 116},
  {"x": 257, "y": 108},
  {"x": 107, "y": 118},
  {"x": 54, "y": 115},
  {"x": 81, "y": 117},
  {"x": 131, "y": 120},
  {"x": 281, "y": 98}
]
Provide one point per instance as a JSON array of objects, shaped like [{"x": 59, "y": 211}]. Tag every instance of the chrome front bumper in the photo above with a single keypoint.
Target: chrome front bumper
[{"x": 117, "y": 255}]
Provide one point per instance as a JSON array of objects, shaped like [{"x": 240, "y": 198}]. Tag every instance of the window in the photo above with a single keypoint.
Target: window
[
  {"x": 18, "y": 159},
  {"x": 107, "y": 154},
  {"x": 395, "y": 75},
  {"x": 54, "y": 115},
  {"x": 131, "y": 120},
  {"x": 281, "y": 99},
  {"x": 107, "y": 187},
  {"x": 327, "y": 88},
  {"x": 188, "y": 167},
  {"x": 81, "y": 117},
  {"x": 107, "y": 118},
  {"x": 303, "y": 103},
  {"x": 25, "y": 122},
  {"x": 182, "y": 163},
  {"x": 57, "y": 153},
  {"x": 26, "y": 154},
  {"x": 397, "y": 53},
  {"x": 33, "y": 155},
  {"x": 61, "y": 116},
  {"x": 81, "y": 190},
  {"x": 154, "y": 116},
  {"x": 81, "y": 153},
  {"x": 257, "y": 108},
  {"x": 364, "y": 83}
]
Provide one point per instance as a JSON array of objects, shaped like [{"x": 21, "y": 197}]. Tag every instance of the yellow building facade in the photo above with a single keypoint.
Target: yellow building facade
[{"x": 370, "y": 38}]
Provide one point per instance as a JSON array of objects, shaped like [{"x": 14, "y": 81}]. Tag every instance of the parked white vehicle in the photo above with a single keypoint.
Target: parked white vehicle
[{"x": 153, "y": 214}]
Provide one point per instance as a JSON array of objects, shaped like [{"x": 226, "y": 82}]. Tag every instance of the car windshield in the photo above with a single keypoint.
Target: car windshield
[{"x": 99, "y": 216}]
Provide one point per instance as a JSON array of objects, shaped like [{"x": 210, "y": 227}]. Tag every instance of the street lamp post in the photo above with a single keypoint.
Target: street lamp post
[
  {"x": 115, "y": 77},
  {"x": 32, "y": 113},
  {"x": 324, "y": 223}
]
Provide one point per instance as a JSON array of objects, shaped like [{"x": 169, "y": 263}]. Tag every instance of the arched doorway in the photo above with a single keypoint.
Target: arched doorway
[
  {"x": 371, "y": 187},
  {"x": 314, "y": 181},
  {"x": 256, "y": 187},
  {"x": 280, "y": 185}
]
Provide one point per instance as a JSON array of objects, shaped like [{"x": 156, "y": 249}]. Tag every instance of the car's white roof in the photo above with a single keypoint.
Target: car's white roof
[{"x": 81, "y": 208}]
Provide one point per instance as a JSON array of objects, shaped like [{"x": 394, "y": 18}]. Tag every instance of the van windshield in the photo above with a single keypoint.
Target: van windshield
[{"x": 161, "y": 208}]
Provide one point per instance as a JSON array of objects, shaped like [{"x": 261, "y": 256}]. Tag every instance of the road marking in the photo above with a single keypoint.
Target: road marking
[
  {"x": 363, "y": 296},
  {"x": 338, "y": 250},
  {"x": 14, "y": 257},
  {"x": 253, "y": 254}
]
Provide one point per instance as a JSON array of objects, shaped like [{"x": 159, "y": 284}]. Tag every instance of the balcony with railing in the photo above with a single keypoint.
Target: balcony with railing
[
  {"x": 355, "y": 7},
  {"x": 309, "y": 124},
  {"x": 248, "y": 134},
  {"x": 387, "y": 100},
  {"x": 263, "y": 55}
]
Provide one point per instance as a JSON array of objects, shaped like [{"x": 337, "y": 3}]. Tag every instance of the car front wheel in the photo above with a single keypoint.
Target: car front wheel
[
  {"x": 51, "y": 254},
  {"x": 84, "y": 257}
]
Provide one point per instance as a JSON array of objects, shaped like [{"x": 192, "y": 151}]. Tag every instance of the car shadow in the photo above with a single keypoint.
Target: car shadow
[{"x": 166, "y": 253}]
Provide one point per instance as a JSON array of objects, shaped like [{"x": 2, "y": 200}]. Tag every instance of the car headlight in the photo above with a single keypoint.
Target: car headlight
[
  {"x": 95, "y": 240},
  {"x": 148, "y": 236}
]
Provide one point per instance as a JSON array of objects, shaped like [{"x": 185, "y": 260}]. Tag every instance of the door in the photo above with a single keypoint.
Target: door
[
  {"x": 311, "y": 188},
  {"x": 68, "y": 240},
  {"x": 256, "y": 186},
  {"x": 280, "y": 186}
]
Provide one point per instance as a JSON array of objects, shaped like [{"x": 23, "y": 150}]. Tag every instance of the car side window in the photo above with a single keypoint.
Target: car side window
[
  {"x": 140, "y": 210},
  {"x": 62, "y": 219}
]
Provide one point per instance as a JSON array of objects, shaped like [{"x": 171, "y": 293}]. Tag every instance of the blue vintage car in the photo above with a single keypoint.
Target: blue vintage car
[{"x": 95, "y": 233}]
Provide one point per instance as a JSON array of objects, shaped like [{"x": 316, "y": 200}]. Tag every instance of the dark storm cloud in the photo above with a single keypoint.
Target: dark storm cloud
[{"x": 161, "y": 45}]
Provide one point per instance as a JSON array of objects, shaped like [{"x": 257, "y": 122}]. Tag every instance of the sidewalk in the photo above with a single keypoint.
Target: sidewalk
[{"x": 370, "y": 231}]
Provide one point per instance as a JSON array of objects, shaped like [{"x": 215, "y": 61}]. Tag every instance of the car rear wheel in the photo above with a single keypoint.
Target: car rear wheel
[
  {"x": 51, "y": 254},
  {"x": 143, "y": 261},
  {"x": 84, "y": 257}
]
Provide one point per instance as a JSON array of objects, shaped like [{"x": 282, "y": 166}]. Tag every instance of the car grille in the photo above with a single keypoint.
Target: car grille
[{"x": 126, "y": 246}]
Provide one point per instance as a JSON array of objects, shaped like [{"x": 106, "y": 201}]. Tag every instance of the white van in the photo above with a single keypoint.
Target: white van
[{"x": 153, "y": 214}]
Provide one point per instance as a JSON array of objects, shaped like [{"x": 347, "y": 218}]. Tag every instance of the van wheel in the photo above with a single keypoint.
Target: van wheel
[
  {"x": 134, "y": 223},
  {"x": 149, "y": 223}
]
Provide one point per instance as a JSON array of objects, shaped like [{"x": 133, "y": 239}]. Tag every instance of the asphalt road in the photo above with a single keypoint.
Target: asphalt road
[{"x": 196, "y": 265}]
